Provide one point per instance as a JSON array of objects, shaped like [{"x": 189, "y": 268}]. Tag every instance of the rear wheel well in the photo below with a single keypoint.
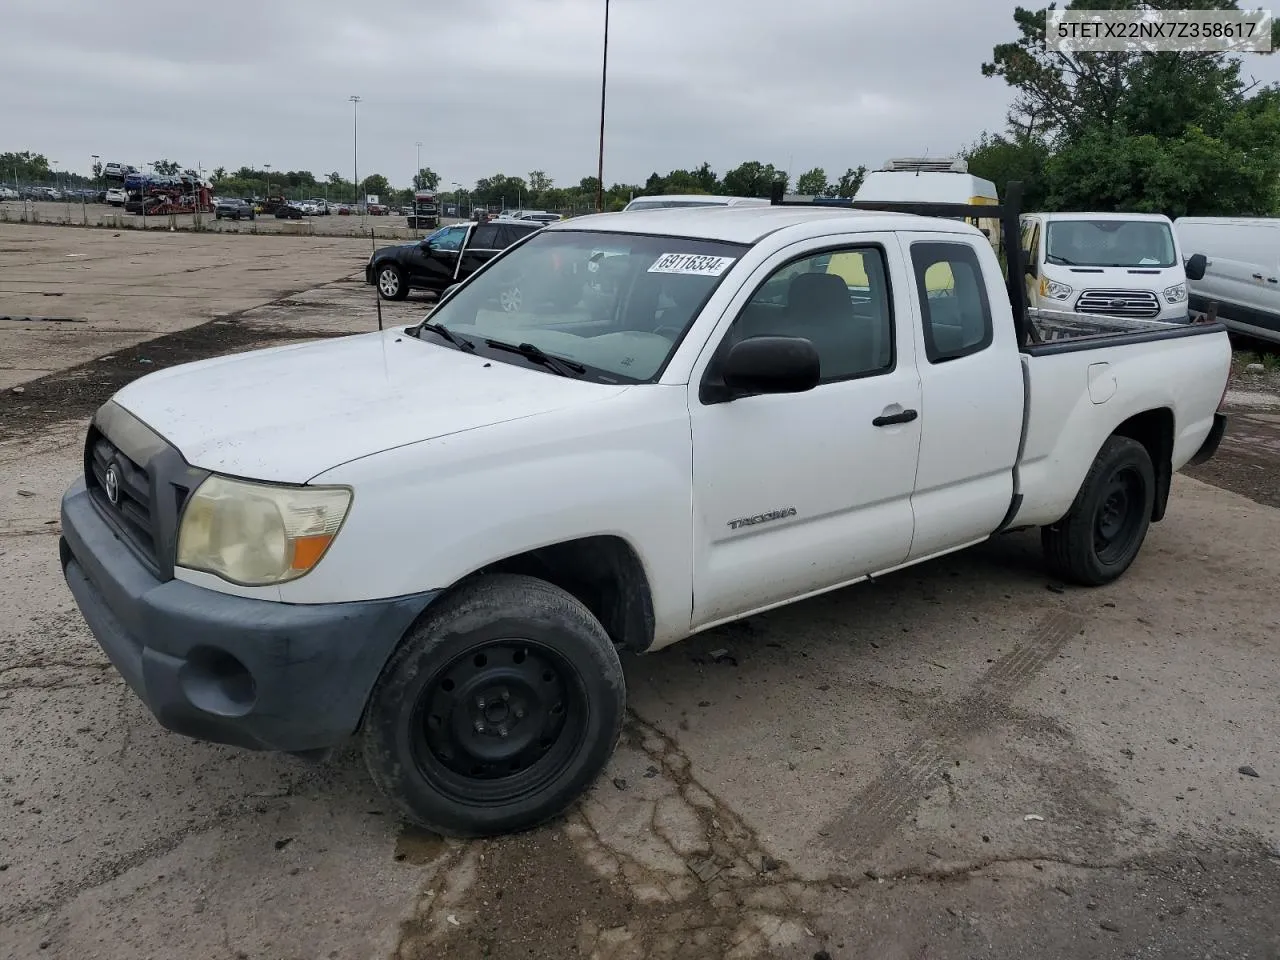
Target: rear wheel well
[
  {"x": 602, "y": 572},
  {"x": 1154, "y": 430}
]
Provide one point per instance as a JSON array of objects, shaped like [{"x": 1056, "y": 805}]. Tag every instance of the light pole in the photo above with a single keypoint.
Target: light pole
[
  {"x": 604, "y": 77},
  {"x": 355, "y": 147},
  {"x": 94, "y": 169},
  {"x": 417, "y": 169},
  {"x": 267, "y": 167}
]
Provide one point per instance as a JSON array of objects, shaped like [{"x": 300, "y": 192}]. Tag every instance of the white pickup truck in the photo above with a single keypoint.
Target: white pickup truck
[{"x": 438, "y": 538}]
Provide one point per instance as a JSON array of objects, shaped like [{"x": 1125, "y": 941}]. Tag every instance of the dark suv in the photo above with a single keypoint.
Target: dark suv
[
  {"x": 446, "y": 257},
  {"x": 233, "y": 208}
]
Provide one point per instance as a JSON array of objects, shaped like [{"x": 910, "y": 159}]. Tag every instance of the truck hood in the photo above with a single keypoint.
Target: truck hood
[{"x": 286, "y": 414}]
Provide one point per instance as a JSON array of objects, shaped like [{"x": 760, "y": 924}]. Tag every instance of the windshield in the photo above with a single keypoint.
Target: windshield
[
  {"x": 1110, "y": 243},
  {"x": 617, "y": 303}
]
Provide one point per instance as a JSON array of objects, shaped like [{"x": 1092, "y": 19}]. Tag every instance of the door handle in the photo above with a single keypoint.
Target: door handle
[{"x": 906, "y": 416}]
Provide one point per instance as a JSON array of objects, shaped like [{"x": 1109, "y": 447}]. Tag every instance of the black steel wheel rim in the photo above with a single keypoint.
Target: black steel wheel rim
[
  {"x": 499, "y": 721},
  {"x": 1119, "y": 515}
]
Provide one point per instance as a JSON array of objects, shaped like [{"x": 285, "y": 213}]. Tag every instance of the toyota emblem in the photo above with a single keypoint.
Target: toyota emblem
[{"x": 111, "y": 484}]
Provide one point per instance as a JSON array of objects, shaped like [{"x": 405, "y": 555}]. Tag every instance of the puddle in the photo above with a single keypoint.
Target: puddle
[{"x": 419, "y": 847}]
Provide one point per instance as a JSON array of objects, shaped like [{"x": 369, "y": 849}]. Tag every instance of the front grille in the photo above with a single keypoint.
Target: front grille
[
  {"x": 1119, "y": 303},
  {"x": 131, "y": 509}
]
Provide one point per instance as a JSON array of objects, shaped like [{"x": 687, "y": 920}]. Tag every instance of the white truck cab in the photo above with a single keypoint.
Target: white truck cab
[
  {"x": 1112, "y": 264},
  {"x": 437, "y": 538}
]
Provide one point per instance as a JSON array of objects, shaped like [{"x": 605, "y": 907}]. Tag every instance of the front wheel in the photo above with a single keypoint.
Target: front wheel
[
  {"x": 1103, "y": 531},
  {"x": 391, "y": 282},
  {"x": 498, "y": 710}
]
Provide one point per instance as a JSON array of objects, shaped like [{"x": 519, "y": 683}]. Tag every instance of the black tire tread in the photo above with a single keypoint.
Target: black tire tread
[
  {"x": 1068, "y": 544},
  {"x": 475, "y": 601}
]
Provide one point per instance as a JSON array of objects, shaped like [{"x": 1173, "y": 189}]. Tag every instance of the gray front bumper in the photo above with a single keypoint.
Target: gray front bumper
[{"x": 258, "y": 674}]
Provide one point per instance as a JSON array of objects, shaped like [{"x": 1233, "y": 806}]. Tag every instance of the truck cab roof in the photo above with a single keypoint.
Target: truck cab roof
[{"x": 751, "y": 224}]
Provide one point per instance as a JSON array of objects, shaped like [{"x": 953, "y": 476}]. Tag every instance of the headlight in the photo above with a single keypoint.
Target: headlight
[
  {"x": 1053, "y": 289},
  {"x": 1177, "y": 293},
  {"x": 257, "y": 534}
]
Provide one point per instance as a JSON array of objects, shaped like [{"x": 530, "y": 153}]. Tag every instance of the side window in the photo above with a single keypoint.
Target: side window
[
  {"x": 449, "y": 239},
  {"x": 957, "y": 316},
  {"x": 838, "y": 300},
  {"x": 485, "y": 237}
]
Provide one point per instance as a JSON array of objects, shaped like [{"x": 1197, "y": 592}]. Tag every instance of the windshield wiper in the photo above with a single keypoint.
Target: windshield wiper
[
  {"x": 1054, "y": 258},
  {"x": 556, "y": 364},
  {"x": 445, "y": 333}
]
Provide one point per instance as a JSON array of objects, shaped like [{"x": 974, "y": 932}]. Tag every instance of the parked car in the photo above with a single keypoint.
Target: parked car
[
  {"x": 1119, "y": 264},
  {"x": 322, "y": 208},
  {"x": 289, "y": 211},
  {"x": 116, "y": 196},
  {"x": 8, "y": 193},
  {"x": 1241, "y": 278},
  {"x": 233, "y": 208},
  {"x": 444, "y": 258},
  {"x": 501, "y": 502}
]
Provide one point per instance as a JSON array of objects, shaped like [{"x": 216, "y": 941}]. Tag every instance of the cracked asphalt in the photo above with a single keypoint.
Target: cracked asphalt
[{"x": 962, "y": 760}]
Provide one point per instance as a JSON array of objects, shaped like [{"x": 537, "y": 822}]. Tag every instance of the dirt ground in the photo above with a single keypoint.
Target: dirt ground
[{"x": 964, "y": 759}]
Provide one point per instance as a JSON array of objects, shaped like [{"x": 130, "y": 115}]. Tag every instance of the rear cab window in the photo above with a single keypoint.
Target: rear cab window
[{"x": 954, "y": 307}]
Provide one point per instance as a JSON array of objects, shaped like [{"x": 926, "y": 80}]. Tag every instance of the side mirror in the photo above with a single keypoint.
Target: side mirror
[
  {"x": 772, "y": 365},
  {"x": 445, "y": 294},
  {"x": 1196, "y": 265},
  {"x": 1029, "y": 264}
]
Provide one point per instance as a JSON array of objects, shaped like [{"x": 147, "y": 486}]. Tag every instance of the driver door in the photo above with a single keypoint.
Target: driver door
[
  {"x": 799, "y": 493},
  {"x": 436, "y": 266}
]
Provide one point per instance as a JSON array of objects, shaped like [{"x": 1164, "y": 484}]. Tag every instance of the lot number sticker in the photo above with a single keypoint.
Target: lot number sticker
[{"x": 691, "y": 264}]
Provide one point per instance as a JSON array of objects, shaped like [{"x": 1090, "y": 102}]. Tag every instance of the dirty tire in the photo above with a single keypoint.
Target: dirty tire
[
  {"x": 1103, "y": 531},
  {"x": 498, "y": 709}
]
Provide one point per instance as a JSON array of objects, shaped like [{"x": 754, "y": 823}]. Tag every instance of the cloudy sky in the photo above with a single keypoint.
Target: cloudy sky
[{"x": 504, "y": 86}]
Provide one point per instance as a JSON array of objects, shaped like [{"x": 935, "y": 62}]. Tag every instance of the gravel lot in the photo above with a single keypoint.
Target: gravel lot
[{"x": 964, "y": 759}]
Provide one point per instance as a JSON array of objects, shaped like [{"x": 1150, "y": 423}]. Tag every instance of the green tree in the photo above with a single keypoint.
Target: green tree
[
  {"x": 1000, "y": 159},
  {"x": 500, "y": 190},
  {"x": 166, "y": 168},
  {"x": 97, "y": 169},
  {"x": 426, "y": 179},
  {"x": 24, "y": 166},
  {"x": 812, "y": 183},
  {"x": 1175, "y": 132},
  {"x": 219, "y": 173},
  {"x": 539, "y": 182},
  {"x": 753, "y": 179},
  {"x": 848, "y": 184},
  {"x": 375, "y": 185},
  {"x": 1061, "y": 96}
]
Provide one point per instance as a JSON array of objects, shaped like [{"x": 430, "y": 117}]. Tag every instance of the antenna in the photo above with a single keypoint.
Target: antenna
[{"x": 377, "y": 297}]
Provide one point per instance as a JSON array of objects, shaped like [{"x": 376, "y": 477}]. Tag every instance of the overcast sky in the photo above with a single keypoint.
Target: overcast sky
[{"x": 506, "y": 86}]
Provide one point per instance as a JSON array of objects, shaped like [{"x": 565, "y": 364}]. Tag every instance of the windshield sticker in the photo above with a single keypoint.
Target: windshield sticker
[{"x": 692, "y": 264}]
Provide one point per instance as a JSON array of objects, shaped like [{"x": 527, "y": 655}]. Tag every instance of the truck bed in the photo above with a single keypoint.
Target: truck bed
[{"x": 1057, "y": 331}]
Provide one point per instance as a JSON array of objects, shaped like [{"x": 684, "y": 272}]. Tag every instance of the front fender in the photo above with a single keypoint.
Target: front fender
[{"x": 437, "y": 511}]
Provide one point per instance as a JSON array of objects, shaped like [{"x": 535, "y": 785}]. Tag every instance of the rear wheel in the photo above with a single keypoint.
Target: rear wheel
[
  {"x": 498, "y": 710},
  {"x": 1103, "y": 531},
  {"x": 391, "y": 282}
]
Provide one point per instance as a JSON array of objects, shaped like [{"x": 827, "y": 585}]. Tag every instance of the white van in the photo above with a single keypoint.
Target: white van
[
  {"x": 1118, "y": 264},
  {"x": 692, "y": 200},
  {"x": 921, "y": 180},
  {"x": 1242, "y": 271}
]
